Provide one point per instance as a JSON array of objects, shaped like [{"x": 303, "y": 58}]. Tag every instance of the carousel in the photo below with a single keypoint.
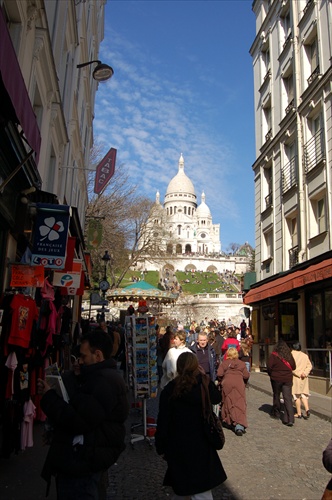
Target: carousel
[{"x": 149, "y": 297}]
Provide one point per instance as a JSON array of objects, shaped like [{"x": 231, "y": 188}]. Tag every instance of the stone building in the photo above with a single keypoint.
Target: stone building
[{"x": 291, "y": 56}]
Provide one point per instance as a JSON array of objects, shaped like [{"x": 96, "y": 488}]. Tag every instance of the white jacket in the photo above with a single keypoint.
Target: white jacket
[{"x": 169, "y": 364}]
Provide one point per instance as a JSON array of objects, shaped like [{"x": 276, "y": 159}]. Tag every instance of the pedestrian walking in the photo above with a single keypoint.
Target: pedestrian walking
[
  {"x": 193, "y": 465},
  {"x": 300, "y": 389},
  {"x": 280, "y": 369},
  {"x": 233, "y": 375},
  {"x": 89, "y": 431}
]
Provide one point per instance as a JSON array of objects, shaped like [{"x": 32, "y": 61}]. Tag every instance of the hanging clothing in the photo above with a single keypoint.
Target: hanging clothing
[
  {"x": 29, "y": 412},
  {"x": 11, "y": 364},
  {"x": 24, "y": 313}
]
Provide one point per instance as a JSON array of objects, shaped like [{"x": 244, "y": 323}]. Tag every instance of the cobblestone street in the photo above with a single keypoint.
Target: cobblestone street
[{"x": 271, "y": 461}]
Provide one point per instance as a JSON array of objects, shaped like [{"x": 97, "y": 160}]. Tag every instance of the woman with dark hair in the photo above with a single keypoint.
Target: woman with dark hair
[
  {"x": 280, "y": 368},
  {"x": 194, "y": 467}
]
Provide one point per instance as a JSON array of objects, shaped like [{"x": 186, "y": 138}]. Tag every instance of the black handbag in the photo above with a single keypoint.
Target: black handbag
[{"x": 212, "y": 425}]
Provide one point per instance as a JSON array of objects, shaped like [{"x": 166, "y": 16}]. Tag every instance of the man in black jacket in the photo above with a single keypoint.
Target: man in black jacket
[
  {"x": 89, "y": 431},
  {"x": 206, "y": 355}
]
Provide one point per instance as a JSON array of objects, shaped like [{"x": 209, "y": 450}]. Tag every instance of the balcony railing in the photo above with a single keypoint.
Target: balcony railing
[
  {"x": 268, "y": 200},
  {"x": 268, "y": 135},
  {"x": 314, "y": 151},
  {"x": 293, "y": 256},
  {"x": 289, "y": 175},
  {"x": 290, "y": 106},
  {"x": 313, "y": 75},
  {"x": 306, "y": 8}
]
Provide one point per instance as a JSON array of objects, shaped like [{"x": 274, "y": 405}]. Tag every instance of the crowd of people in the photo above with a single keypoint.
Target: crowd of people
[{"x": 88, "y": 432}]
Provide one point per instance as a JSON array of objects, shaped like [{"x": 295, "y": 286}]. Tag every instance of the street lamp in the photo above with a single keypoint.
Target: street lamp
[
  {"x": 101, "y": 73},
  {"x": 104, "y": 284}
]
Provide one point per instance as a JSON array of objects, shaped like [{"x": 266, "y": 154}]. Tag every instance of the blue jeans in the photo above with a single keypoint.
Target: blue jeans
[{"x": 78, "y": 488}]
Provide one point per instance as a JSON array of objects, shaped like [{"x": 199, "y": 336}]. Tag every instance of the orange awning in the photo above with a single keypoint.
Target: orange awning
[{"x": 292, "y": 281}]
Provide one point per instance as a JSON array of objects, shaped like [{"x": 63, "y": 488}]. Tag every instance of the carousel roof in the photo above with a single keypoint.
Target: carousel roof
[{"x": 140, "y": 290}]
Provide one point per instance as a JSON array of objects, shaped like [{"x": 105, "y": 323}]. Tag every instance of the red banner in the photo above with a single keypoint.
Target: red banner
[{"x": 105, "y": 171}]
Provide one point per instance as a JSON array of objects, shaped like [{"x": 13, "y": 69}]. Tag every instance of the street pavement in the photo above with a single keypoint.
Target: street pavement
[{"x": 270, "y": 462}]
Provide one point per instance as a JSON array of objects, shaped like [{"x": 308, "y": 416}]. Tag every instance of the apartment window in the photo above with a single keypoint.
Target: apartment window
[
  {"x": 266, "y": 61},
  {"x": 286, "y": 26},
  {"x": 293, "y": 231},
  {"x": 267, "y": 188},
  {"x": 314, "y": 148},
  {"x": 321, "y": 221},
  {"x": 317, "y": 216},
  {"x": 288, "y": 82},
  {"x": 311, "y": 63},
  {"x": 292, "y": 241},
  {"x": 268, "y": 245},
  {"x": 289, "y": 172},
  {"x": 267, "y": 120}
]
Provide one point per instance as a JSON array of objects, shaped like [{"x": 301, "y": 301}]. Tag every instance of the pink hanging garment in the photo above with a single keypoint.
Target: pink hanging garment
[{"x": 29, "y": 412}]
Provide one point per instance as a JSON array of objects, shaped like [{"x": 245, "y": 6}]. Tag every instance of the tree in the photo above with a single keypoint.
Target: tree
[
  {"x": 233, "y": 248},
  {"x": 132, "y": 229}
]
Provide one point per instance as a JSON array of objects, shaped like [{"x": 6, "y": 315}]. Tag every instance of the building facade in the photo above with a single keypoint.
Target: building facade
[
  {"x": 292, "y": 297},
  {"x": 46, "y": 116}
]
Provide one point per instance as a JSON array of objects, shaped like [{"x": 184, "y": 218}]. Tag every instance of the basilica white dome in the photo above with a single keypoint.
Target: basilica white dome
[
  {"x": 203, "y": 210},
  {"x": 181, "y": 182}
]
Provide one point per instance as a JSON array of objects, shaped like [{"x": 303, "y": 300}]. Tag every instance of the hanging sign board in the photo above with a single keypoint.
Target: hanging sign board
[
  {"x": 50, "y": 236},
  {"x": 105, "y": 171}
]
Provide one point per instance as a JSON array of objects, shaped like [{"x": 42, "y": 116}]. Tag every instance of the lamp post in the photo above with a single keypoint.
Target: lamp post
[
  {"x": 104, "y": 284},
  {"x": 101, "y": 73}
]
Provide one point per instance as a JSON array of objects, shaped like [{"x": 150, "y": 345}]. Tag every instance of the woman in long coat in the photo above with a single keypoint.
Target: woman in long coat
[
  {"x": 233, "y": 375},
  {"x": 300, "y": 388},
  {"x": 193, "y": 464}
]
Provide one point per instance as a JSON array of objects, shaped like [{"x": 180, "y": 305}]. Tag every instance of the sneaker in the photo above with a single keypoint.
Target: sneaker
[{"x": 239, "y": 432}]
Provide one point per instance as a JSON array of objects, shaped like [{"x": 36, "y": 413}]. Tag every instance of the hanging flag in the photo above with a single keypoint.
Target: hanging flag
[
  {"x": 94, "y": 234},
  {"x": 50, "y": 236},
  {"x": 105, "y": 171}
]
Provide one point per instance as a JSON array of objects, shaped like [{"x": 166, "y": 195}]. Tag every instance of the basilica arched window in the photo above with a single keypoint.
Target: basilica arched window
[
  {"x": 185, "y": 210},
  {"x": 179, "y": 230},
  {"x": 188, "y": 210},
  {"x": 175, "y": 208},
  {"x": 170, "y": 211}
]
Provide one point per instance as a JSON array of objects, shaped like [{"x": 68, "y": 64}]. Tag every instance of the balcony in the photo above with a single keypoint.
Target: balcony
[
  {"x": 268, "y": 136},
  {"x": 293, "y": 256},
  {"x": 314, "y": 151},
  {"x": 290, "y": 107},
  {"x": 307, "y": 7},
  {"x": 289, "y": 175},
  {"x": 313, "y": 75},
  {"x": 268, "y": 201}
]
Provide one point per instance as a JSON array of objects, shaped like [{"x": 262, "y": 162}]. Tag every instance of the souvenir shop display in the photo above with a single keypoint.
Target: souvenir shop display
[
  {"x": 141, "y": 354},
  {"x": 35, "y": 332}
]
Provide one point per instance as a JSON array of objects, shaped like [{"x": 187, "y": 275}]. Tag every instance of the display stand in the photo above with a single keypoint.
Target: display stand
[{"x": 142, "y": 375}]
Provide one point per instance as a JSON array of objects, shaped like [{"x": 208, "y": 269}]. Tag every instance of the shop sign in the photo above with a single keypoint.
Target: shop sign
[
  {"x": 24, "y": 276},
  {"x": 105, "y": 171},
  {"x": 95, "y": 234},
  {"x": 67, "y": 279},
  {"x": 50, "y": 236}
]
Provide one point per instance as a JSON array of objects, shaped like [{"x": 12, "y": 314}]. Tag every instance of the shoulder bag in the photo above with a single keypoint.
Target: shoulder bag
[{"x": 212, "y": 425}]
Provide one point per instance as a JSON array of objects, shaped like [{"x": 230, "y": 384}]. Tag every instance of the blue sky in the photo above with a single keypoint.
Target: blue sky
[{"x": 183, "y": 83}]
